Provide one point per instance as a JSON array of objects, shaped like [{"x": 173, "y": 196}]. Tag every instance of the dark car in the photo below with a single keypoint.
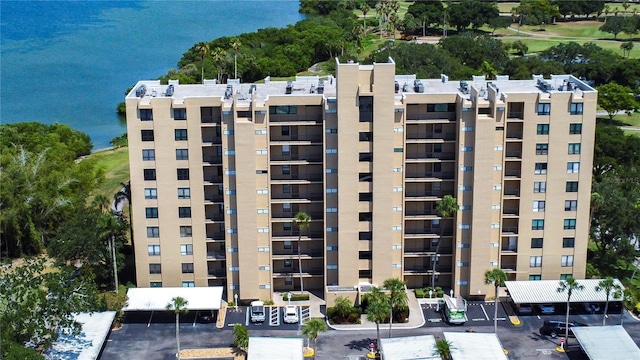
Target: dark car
[
  {"x": 206, "y": 318},
  {"x": 554, "y": 328}
]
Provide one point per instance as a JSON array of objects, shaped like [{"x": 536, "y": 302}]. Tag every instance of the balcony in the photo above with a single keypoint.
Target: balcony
[
  {"x": 216, "y": 255},
  {"x": 510, "y": 212},
  {"x": 217, "y": 273},
  {"x": 427, "y": 270},
  {"x": 211, "y": 180},
  {"x": 421, "y": 214},
  {"x": 509, "y": 266},
  {"x": 510, "y": 230},
  {"x": 211, "y": 140},
  {"x": 514, "y": 155},
  {"x": 509, "y": 249},
  {"x": 282, "y": 272},
  {"x": 297, "y": 197},
  {"x": 289, "y": 235},
  {"x": 411, "y": 157},
  {"x": 216, "y": 237},
  {"x": 426, "y": 195},
  {"x": 289, "y": 216},
  {"x": 293, "y": 254},
  {"x": 297, "y": 178},
  {"x": 212, "y": 160},
  {"x": 416, "y": 137},
  {"x": 511, "y": 192},
  {"x": 298, "y": 158},
  {"x": 209, "y": 218},
  {"x": 427, "y": 251},
  {"x": 211, "y": 199},
  {"x": 430, "y": 117},
  {"x": 299, "y": 139},
  {"x": 515, "y": 115},
  {"x": 426, "y": 232},
  {"x": 514, "y": 135},
  {"x": 446, "y": 175}
]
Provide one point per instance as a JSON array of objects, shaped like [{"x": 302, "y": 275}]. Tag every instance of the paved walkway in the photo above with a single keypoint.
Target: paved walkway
[
  {"x": 416, "y": 318},
  {"x": 314, "y": 303}
]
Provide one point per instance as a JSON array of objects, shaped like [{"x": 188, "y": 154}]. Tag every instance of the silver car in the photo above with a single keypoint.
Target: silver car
[{"x": 290, "y": 314}]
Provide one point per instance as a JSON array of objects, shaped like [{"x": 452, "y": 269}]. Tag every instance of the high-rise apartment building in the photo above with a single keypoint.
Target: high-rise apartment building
[{"x": 219, "y": 172}]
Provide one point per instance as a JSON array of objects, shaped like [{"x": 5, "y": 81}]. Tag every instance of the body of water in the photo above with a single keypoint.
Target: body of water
[{"x": 71, "y": 61}]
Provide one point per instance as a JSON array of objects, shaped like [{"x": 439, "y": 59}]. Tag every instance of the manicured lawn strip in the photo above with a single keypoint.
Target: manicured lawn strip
[{"x": 115, "y": 164}]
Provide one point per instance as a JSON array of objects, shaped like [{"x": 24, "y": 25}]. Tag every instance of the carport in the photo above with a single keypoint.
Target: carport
[
  {"x": 86, "y": 345},
  {"x": 410, "y": 348},
  {"x": 275, "y": 348},
  {"x": 546, "y": 291},
  {"x": 157, "y": 299},
  {"x": 475, "y": 346},
  {"x": 606, "y": 343}
]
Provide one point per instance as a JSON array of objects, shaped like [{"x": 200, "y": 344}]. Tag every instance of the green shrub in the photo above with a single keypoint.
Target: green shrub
[
  {"x": 401, "y": 315},
  {"x": 419, "y": 293},
  {"x": 268, "y": 302},
  {"x": 295, "y": 297},
  {"x": 636, "y": 309},
  {"x": 231, "y": 304}
]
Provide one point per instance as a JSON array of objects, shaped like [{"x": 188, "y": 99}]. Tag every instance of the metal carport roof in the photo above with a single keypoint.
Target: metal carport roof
[
  {"x": 410, "y": 348},
  {"x": 606, "y": 342},
  {"x": 475, "y": 346},
  {"x": 275, "y": 348},
  {"x": 87, "y": 344},
  {"x": 156, "y": 299},
  {"x": 545, "y": 291}
]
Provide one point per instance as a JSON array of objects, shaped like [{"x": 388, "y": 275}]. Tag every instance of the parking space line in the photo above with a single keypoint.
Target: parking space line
[
  {"x": 274, "y": 316},
  {"x": 246, "y": 319},
  {"x": 304, "y": 313},
  {"x": 484, "y": 311}
]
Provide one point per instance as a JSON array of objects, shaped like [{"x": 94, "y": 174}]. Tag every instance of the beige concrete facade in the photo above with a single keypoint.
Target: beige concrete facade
[{"x": 218, "y": 173}]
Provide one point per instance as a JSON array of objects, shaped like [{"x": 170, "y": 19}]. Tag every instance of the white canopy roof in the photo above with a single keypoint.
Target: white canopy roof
[
  {"x": 87, "y": 345},
  {"x": 156, "y": 299},
  {"x": 275, "y": 348},
  {"x": 475, "y": 346},
  {"x": 545, "y": 291},
  {"x": 606, "y": 342},
  {"x": 410, "y": 348}
]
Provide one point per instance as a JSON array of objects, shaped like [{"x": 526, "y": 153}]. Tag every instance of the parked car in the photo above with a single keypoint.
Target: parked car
[
  {"x": 554, "y": 328},
  {"x": 591, "y": 308},
  {"x": 525, "y": 309},
  {"x": 547, "y": 308},
  {"x": 257, "y": 311},
  {"x": 206, "y": 318},
  {"x": 290, "y": 314}
]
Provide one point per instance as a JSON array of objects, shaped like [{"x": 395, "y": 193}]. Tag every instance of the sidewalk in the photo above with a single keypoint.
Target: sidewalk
[
  {"x": 416, "y": 318},
  {"x": 314, "y": 303}
]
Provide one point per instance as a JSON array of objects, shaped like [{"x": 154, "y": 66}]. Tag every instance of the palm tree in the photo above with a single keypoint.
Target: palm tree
[
  {"x": 109, "y": 226},
  {"x": 202, "y": 49},
  {"x": 302, "y": 221},
  {"x": 365, "y": 8},
  {"x": 610, "y": 288},
  {"x": 443, "y": 348},
  {"x": 497, "y": 277},
  {"x": 311, "y": 328},
  {"x": 179, "y": 306},
  {"x": 235, "y": 44},
  {"x": 446, "y": 207},
  {"x": 626, "y": 48},
  {"x": 398, "y": 294},
  {"x": 569, "y": 285},
  {"x": 378, "y": 309},
  {"x": 219, "y": 55},
  {"x": 240, "y": 337}
]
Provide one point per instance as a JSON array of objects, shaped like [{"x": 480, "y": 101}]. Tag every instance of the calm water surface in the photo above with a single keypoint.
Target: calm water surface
[{"x": 71, "y": 61}]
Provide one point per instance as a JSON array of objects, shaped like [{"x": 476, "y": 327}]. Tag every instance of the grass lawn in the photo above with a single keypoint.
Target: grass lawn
[
  {"x": 539, "y": 44},
  {"x": 505, "y": 7},
  {"x": 115, "y": 164},
  {"x": 629, "y": 120}
]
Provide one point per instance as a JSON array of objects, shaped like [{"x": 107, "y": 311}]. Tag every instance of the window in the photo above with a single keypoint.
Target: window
[
  {"x": 182, "y": 154},
  {"x": 537, "y": 224},
  {"x": 153, "y": 250},
  {"x": 155, "y": 284},
  {"x": 331, "y": 151},
  {"x": 573, "y": 167},
  {"x": 185, "y": 231},
  {"x": 331, "y": 131},
  {"x": 441, "y": 107},
  {"x": 544, "y": 109},
  {"x": 572, "y": 186},
  {"x": 283, "y": 109},
  {"x": 541, "y": 168},
  {"x": 365, "y": 255},
  {"x": 147, "y": 135},
  {"x": 542, "y": 149},
  {"x": 365, "y": 177},
  {"x": 284, "y": 131},
  {"x": 575, "y": 108},
  {"x": 466, "y": 148},
  {"x": 540, "y": 187},
  {"x": 149, "y": 174},
  {"x": 186, "y": 249},
  {"x": 184, "y": 193},
  {"x": 536, "y": 243},
  {"x": 574, "y": 148},
  {"x": 148, "y": 154},
  {"x": 153, "y": 231},
  {"x": 288, "y": 263},
  {"x": 286, "y": 169},
  {"x": 365, "y": 108},
  {"x": 150, "y": 193},
  {"x": 398, "y": 150},
  {"x": 331, "y": 171},
  {"x": 184, "y": 212},
  {"x": 183, "y": 174},
  {"x": 230, "y": 152},
  {"x": 146, "y": 114},
  {"x": 570, "y": 205},
  {"x": 565, "y": 276},
  {"x": 155, "y": 268},
  {"x": 187, "y": 268},
  {"x": 535, "y": 277},
  {"x": 366, "y": 157},
  {"x": 151, "y": 212},
  {"x": 543, "y": 129},
  {"x": 566, "y": 260},
  {"x": 538, "y": 205},
  {"x": 575, "y": 129},
  {"x": 365, "y": 196},
  {"x": 365, "y": 216},
  {"x": 261, "y": 132},
  {"x": 332, "y": 210},
  {"x": 179, "y": 114},
  {"x": 332, "y": 191},
  {"x": 286, "y": 149},
  {"x": 568, "y": 242},
  {"x": 188, "y": 284},
  {"x": 366, "y": 136},
  {"x": 332, "y": 267},
  {"x": 365, "y": 235},
  {"x": 569, "y": 224},
  {"x": 535, "y": 261},
  {"x": 180, "y": 134},
  {"x": 286, "y": 189}
]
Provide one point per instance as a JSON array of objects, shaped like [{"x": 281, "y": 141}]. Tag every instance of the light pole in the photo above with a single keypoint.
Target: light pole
[
  {"x": 235, "y": 297},
  {"x": 115, "y": 265},
  {"x": 390, "y": 314}
]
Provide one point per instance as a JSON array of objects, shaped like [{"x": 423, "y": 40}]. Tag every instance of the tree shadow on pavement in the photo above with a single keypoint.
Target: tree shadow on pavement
[{"x": 362, "y": 344}]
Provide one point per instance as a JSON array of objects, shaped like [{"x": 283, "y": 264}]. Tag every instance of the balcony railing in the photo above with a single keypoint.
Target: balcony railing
[
  {"x": 214, "y": 217},
  {"x": 510, "y": 230},
  {"x": 514, "y": 135},
  {"x": 427, "y": 231},
  {"x": 440, "y": 175},
  {"x": 298, "y": 157},
  {"x": 511, "y": 192},
  {"x": 216, "y": 255},
  {"x": 514, "y": 154},
  {"x": 220, "y": 273},
  {"x": 291, "y": 215},
  {"x": 428, "y": 251},
  {"x": 213, "y": 198},
  {"x": 211, "y": 140},
  {"x": 431, "y": 155},
  {"x": 213, "y": 179},
  {"x": 515, "y": 115},
  {"x": 509, "y": 267},
  {"x": 303, "y": 138},
  {"x": 431, "y": 117},
  {"x": 298, "y": 196},
  {"x": 292, "y": 253},
  {"x": 215, "y": 237},
  {"x": 212, "y": 160},
  {"x": 511, "y": 249},
  {"x": 418, "y": 213},
  {"x": 306, "y": 177},
  {"x": 511, "y": 212},
  {"x": 291, "y": 272},
  {"x": 512, "y": 173},
  {"x": 422, "y": 136},
  {"x": 293, "y": 234}
]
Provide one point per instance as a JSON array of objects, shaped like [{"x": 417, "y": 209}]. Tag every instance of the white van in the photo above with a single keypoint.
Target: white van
[{"x": 256, "y": 311}]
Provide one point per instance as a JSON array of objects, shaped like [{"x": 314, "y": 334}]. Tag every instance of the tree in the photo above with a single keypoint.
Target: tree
[
  {"x": 497, "y": 277},
  {"x": 38, "y": 300},
  {"x": 520, "y": 47},
  {"x": 235, "y": 44},
  {"x": 626, "y": 48},
  {"x": 443, "y": 348},
  {"x": 240, "y": 337},
  {"x": 499, "y": 22},
  {"x": 378, "y": 309},
  {"x": 365, "y": 8},
  {"x": 202, "y": 49},
  {"x": 568, "y": 285},
  {"x": 342, "y": 306},
  {"x": 311, "y": 328},
  {"x": 614, "y": 25},
  {"x": 179, "y": 306},
  {"x": 302, "y": 221},
  {"x": 612, "y": 289},
  {"x": 446, "y": 207},
  {"x": 398, "y": 297},
  {"x": 613, "y": 98},
  {"x": 427, "y": 12},
  {"x": 219, "y": 55},
  {"x": 537, "y": 12}
]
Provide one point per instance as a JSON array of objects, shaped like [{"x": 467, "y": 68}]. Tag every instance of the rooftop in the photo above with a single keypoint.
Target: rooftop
[
  {"x": 156, "y": 299},
  {"x": 606, "y": 342},
  {"x": 87, "y": 344},
  {"x": 545, "y": 291}
]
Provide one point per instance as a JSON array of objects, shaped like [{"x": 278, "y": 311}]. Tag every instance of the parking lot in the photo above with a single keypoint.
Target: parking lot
[
  {"x": 274, "y": 318},
  {"x": 479, "y": 313}
]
